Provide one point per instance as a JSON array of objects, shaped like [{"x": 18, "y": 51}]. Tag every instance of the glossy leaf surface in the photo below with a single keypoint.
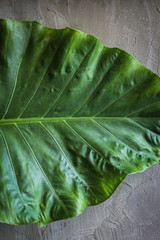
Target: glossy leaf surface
[{"x": 76, "y": 118}]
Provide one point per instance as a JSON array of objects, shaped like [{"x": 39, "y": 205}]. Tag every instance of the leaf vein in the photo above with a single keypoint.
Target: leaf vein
[
  {"x": 13, "y": 169},
  {"x": 62, "y": 91},
  {"x": 83, "y": 140},
  {"x": 141, "y": 109},
  {"x": 39, "y": 83},
  {"x": 41, "y": 169},
  {"x": 123, "y": 95},
  {"x": 113, "y": 136},
  {"x": 16, "y": 79},
  {"x": 94, "y": 90},
  {"x": 64, "y": 155},
  {"x": 142, "y": 126}
]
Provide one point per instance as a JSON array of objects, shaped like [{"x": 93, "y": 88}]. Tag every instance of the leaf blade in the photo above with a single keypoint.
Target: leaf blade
[{"x": 81, "y": 117}]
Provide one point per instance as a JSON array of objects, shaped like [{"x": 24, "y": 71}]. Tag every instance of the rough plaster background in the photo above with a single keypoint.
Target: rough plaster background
[{"x": 133, "y": 212}]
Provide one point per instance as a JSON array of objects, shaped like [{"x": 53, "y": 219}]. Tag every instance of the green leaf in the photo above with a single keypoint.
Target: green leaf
[{"x": 76, "y": 118}]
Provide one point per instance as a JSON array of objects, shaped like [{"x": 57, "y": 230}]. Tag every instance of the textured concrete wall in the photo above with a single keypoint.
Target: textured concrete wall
[{"x": 133, "y": 212}]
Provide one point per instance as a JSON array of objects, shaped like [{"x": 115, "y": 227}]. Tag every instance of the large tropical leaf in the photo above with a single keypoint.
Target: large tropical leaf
[{"x": 76, "y": 118}]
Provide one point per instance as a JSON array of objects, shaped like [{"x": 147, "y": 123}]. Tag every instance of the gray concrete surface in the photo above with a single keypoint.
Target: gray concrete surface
[{"x": 133, "y": 211}]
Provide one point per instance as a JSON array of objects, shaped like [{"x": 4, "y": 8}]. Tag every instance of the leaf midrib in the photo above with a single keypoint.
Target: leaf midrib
[{"x": 61, "y": 119}]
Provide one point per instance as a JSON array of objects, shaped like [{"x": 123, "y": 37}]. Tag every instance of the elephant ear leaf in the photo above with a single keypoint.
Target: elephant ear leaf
[{"x": 75, "y": 118}]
